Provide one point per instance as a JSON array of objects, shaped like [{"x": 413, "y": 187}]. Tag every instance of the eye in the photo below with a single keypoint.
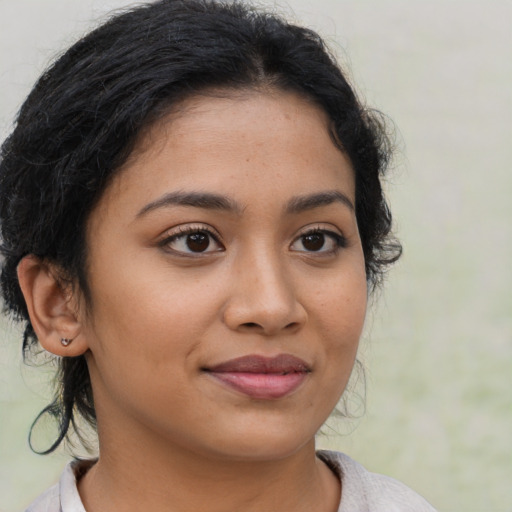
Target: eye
[
  {"x": 320, "y": 241},
  {"x": 192, "y": 240}
]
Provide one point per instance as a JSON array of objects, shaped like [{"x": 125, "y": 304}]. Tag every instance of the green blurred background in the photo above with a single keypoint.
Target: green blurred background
[{"x": 438, "y": 342}]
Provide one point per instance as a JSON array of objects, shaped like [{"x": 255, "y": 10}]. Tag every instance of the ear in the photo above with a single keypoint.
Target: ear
[{"x": 52, "y": 310}]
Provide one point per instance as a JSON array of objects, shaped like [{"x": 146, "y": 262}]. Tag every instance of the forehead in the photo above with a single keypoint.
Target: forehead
[
  {"x": 218, "y": 112},
  {"x": 247, "y": 144}
]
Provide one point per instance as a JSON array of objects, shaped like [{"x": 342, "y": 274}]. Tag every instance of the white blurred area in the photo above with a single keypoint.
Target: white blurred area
[{"x": 438, "y": 349}]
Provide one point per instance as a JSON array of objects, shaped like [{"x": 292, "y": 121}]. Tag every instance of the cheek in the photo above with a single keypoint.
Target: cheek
[
  {"x": 148, "y": 315},
  {"x": 340, "y": 302},
  {"x": 338, "y": 314}
]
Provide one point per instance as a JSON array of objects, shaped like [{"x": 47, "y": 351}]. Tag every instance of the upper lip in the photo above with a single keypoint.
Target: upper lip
[{"x": 281, "y": 364}]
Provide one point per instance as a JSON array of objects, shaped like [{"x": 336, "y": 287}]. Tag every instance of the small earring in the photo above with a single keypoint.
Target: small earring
[{"x": 65, "y": 341}]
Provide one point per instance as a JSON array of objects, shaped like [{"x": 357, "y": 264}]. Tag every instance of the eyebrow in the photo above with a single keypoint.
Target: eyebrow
[
  {"x": 203, "y": 200},
  {"x": 309, "y": 202},
  {"x": 210, "y": 201}
]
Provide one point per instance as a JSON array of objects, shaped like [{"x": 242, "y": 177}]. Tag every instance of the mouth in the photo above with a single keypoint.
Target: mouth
[{"x": 262, "y": 377}]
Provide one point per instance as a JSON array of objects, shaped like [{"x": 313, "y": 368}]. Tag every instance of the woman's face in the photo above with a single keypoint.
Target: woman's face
[{"x": 227, "y": 280}]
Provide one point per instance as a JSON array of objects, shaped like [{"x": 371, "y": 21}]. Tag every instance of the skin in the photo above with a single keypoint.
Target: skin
[{"x": 161, "y": 313}]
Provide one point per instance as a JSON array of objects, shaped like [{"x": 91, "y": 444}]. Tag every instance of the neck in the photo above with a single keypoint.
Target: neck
[{"x": 172, "y": 479}]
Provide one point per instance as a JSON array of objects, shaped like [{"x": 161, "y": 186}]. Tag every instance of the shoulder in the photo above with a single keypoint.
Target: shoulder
[
  {"x": 62, "y": 497},
  {"x": 363, "y": 491}
]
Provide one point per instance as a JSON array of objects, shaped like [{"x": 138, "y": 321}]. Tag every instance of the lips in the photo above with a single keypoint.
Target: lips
[{"x": 262, "y": 377}]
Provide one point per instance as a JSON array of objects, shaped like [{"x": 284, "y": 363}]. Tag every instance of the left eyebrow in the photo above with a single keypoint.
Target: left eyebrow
[
  {"x": 204, "y": 200},
  {"x": 309, "y": 202},
  {"x": 210, "y": 201}
]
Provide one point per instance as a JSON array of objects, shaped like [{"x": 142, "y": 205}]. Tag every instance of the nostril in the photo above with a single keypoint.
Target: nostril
[
  {"x": 251, "y": 325},
  {"x": 254, "y": 325}
]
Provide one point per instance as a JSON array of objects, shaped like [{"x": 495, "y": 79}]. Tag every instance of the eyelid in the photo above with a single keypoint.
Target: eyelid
[
  {"x": 190, "y": 227},
  {"x": 330, "y": 231},
  {"x": 177, "y": 232},
  {"x": 319, "y": 227}
]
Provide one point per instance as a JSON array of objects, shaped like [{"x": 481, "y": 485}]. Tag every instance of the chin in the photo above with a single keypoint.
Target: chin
[{"x": 264, "y": 441}]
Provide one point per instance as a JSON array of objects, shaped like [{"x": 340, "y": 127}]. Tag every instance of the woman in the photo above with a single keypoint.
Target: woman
[{"x": 192, "y": 219}]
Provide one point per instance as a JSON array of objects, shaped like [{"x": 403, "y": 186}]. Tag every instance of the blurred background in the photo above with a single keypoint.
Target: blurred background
[{"x": 438, "y": 344}]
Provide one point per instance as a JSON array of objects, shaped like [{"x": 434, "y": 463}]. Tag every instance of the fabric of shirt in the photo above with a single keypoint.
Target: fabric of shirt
[{"x": 361, "y": 490}]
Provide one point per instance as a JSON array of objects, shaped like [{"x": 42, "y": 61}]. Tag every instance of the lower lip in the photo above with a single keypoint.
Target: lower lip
[{"x": 264, "y": 386}]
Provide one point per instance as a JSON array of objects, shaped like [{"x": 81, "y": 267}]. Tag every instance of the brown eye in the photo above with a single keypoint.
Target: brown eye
[
  {"x": 192, "y": 241},
  {"x": 313, "y": 241},
  {"x": 198, "y": 242},
  {"x": 321, "y": 241}
]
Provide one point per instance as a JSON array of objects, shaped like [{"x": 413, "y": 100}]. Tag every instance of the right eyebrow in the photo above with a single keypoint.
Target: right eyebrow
[
  {"x": 203, "y": 200},
  {"x": 309, "y": 202}
]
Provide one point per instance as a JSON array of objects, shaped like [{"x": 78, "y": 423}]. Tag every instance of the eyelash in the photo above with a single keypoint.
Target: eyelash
[
  {"x": 182, "y": 232},
  {"x": 339, "y": 240}
]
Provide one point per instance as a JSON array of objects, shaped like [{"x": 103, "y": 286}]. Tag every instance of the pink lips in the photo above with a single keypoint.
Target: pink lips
[{"x": 262, "y": 377}]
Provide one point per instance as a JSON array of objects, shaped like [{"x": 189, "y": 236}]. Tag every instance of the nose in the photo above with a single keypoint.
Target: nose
[{"x": 263, "y": 299}]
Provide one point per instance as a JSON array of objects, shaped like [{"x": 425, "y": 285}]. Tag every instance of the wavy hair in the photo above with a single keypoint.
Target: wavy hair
[{"x": 88, "y": 110}]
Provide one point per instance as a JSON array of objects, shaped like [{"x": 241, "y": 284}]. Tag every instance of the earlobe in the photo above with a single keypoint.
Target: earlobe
[{"x": 51, "y": 310}]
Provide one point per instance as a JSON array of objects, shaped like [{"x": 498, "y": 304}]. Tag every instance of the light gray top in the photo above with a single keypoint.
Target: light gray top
[{"x": 362, "y": 491}]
